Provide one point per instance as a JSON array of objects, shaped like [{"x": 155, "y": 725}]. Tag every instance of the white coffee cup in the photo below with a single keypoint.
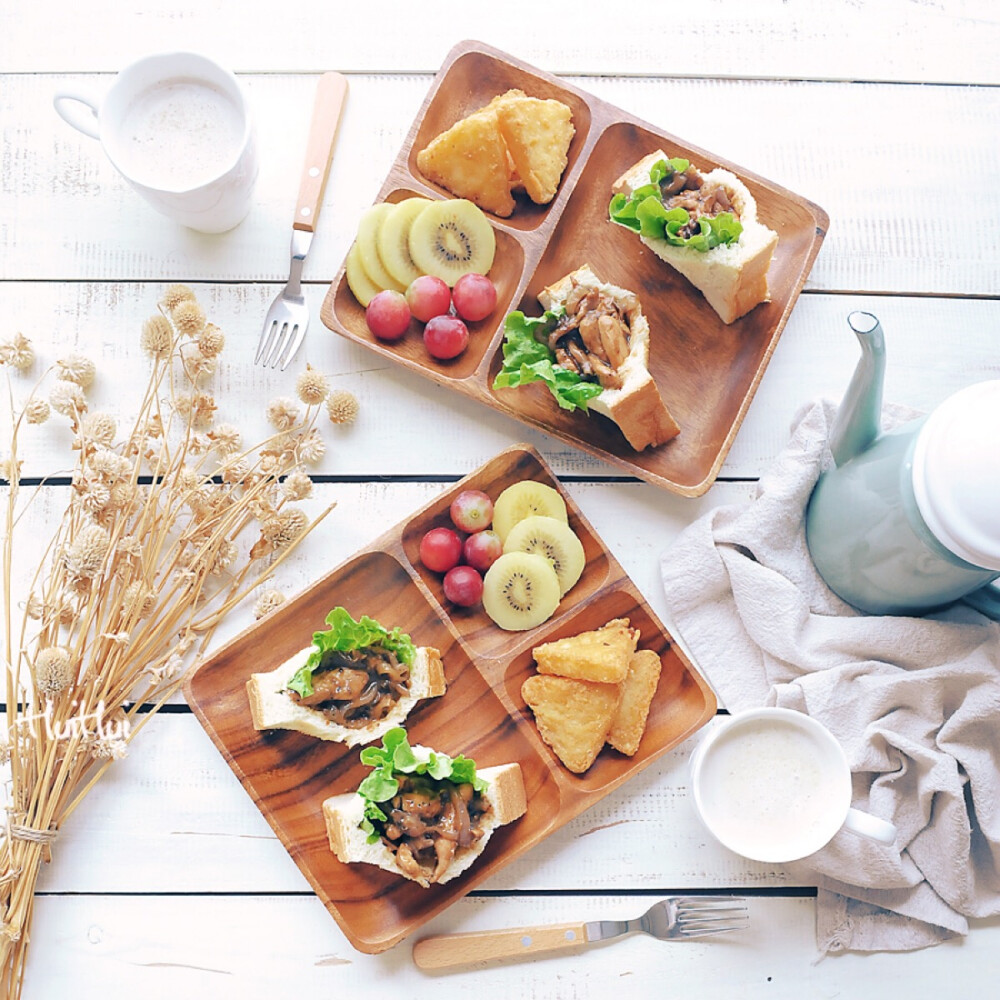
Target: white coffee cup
[
  {"x": 177, "y": 127},
  {"x": 774, "y": 785}
]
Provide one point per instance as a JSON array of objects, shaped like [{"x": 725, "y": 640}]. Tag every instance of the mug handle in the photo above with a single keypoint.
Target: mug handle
[
  {"x": 87, "y": 124},
  {"x": 870, "y": 827},
  {"x": 986, "y": 600}
]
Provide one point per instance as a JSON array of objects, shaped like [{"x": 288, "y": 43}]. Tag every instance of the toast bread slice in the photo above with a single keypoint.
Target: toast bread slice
[
  {"x": 637, "y": 407},
  {"x": 733, "y": 278},
  {"x": 271, "y": 707},
  {"x": 343, "y": 814}
]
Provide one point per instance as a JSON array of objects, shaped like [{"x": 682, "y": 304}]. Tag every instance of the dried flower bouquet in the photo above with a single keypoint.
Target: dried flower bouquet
[{"x": 168, "y": 527}]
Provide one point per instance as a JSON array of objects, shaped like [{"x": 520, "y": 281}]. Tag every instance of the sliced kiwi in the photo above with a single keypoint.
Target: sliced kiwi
[
  {"x": 520, "y": 591},
  {"x": 521, "y": 500},
  {"x": 368, "y": 230},
  {"x": 451, "y": 238},
  {"x": 394, "y": 239},
  {"x": 554, "y": 539},
  {"x": 361, "y": 286}
]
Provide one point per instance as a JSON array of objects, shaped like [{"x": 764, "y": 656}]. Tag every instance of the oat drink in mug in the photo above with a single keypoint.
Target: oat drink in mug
[
  {"x": 177, "y": 127},
  {"x": 774, "y": 785}
]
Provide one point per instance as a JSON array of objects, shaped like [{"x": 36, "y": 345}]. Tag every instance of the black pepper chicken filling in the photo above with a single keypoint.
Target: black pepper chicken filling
[
  {"x": 357, "y": 687},
  {"x": 428, "y": 821},
  {"x": 592, "y": 338}
]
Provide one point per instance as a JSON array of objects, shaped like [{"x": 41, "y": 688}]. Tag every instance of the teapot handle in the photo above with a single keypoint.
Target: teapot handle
[{"x": 986, "y": 600}]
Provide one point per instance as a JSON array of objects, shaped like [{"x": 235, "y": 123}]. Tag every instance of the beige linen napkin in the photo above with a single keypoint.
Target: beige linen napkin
[{"x": 915, "y": 702}]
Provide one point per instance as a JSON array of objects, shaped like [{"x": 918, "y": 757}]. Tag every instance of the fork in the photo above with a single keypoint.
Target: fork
[
  {"x": 670, "y": 919},
  {"x": 287, "y": 319}
]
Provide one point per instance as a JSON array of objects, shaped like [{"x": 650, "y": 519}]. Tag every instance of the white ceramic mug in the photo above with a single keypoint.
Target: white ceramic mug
[
  {"x": 177, "y": 127},
  {"x": 774, "y": 785}
]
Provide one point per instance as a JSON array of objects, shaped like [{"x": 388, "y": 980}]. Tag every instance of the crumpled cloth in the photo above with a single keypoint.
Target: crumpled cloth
[{"x": 915, "y": 702}]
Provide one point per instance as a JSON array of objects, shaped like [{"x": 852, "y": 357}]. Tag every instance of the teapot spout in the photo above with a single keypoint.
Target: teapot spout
[{"x": 858, "y": 420}]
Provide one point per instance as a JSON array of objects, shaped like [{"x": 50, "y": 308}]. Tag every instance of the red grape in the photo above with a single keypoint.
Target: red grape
[
  {"x": 471, "y": 510},
  {"x": 475, "y": 297},
  {"x": 445, "y": 337},
  {"x": 440, "y": 549},
  {"x": 463, "y": 586},
  {"x": 388, "y": 315},
  {"x": 428, "y": 296},
  {"x": 482, "y": 549}
]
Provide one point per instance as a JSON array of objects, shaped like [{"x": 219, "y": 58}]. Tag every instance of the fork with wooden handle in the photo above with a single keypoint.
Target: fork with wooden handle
[
  {"x": 672, "y": 918},
  {"x": 287, "y": 319}
]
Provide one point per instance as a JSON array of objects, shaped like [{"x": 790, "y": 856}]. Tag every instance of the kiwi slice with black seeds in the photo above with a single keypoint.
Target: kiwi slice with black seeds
[{"x": 451, "y": 238}]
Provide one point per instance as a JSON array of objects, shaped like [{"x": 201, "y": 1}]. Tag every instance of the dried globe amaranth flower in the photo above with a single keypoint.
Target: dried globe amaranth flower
[
  {"x": 282, "y": 413},
  {"x": 199, "y": 409},
  {"x": 188, "y": 317},
  {"x": 311, "y": 448},
  {"x": 267, "y": 602},
  {"x": 196, "y": 364},
  {"x": 94, "y": 495},
  {"x": 342, "y": 407},
  {"x": 138, "y": 600},
  {"x": 109, "y": 749},
  {"x": 211, "y": 340},
  {"x": 297, "y": 485},
  {"x": 37, "y": 410},
  {"x": 18, "y": 353},
  {"x": 99, "y": 428},
  {"x": 53, "y": 670},
  {"x": 227, "y": 438},
  {"x": 67, "y": 398},
  {"x": 87, "y": 551},
  {"x": 175, "y": 295},
  {"x": 312, "y": 386},
  {"x": 157, "y": 337},
  {"x": 284, "y": 527},
  {"x": 77, "y": 368}
]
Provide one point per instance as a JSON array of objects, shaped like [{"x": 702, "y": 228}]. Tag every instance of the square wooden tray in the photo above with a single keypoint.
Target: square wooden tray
[
  {"x": 707, "y": 372},
  {"x": 482, "y": 714}
]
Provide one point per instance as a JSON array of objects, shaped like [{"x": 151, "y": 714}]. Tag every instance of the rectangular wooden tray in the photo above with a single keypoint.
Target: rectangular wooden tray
[
  {"x": 707, "y": 372},
  {"x": 482, "y": 714}
]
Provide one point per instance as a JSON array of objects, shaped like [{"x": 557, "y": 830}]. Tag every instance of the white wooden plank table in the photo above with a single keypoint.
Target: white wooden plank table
[{"x": 168, "y": 881}]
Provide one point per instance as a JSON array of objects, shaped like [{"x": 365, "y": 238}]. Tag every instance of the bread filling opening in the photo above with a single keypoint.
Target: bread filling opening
[
  {"x": 428, "y": 821},
  {"x": 356, "y": 687},
  {"x": 687, "y": 189},
  {"x": 593, "y": 338}
]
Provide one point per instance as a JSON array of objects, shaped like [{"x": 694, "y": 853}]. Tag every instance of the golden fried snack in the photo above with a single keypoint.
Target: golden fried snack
[
  {"x": 573, "y": 717},
  {"x": 538, "y": 134},
  {"x": 471, "y": 161},
  {"x": 637, "y": 689},
  {"x": 601, "y": 655},
  {"x": 513, "y": 179}
]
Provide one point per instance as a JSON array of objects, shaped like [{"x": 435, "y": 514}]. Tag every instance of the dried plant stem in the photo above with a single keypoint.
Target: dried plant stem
[{"x": 150, "y": 556}]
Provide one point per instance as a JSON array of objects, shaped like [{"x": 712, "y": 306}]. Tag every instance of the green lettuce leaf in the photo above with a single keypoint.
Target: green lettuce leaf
[
  {"x": 395, "y": 757},
  {"x": 346, "y": 634},
  {"x": 644, "y": 213},
  {"x": 527, "y": 359}
]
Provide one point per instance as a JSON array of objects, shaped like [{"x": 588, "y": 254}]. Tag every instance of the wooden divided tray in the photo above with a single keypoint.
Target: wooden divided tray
[
  {"x": 482, "y": 714},
  {"x": 707, "y": 372}
]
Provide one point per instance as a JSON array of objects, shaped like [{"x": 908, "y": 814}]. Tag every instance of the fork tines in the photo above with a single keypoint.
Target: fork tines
[
  {"x": 274, "y": 342},
  {"x": 702, "y": 915}
]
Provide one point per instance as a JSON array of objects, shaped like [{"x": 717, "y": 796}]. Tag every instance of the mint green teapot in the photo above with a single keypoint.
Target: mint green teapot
[{"x": 908, "y": 520}]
